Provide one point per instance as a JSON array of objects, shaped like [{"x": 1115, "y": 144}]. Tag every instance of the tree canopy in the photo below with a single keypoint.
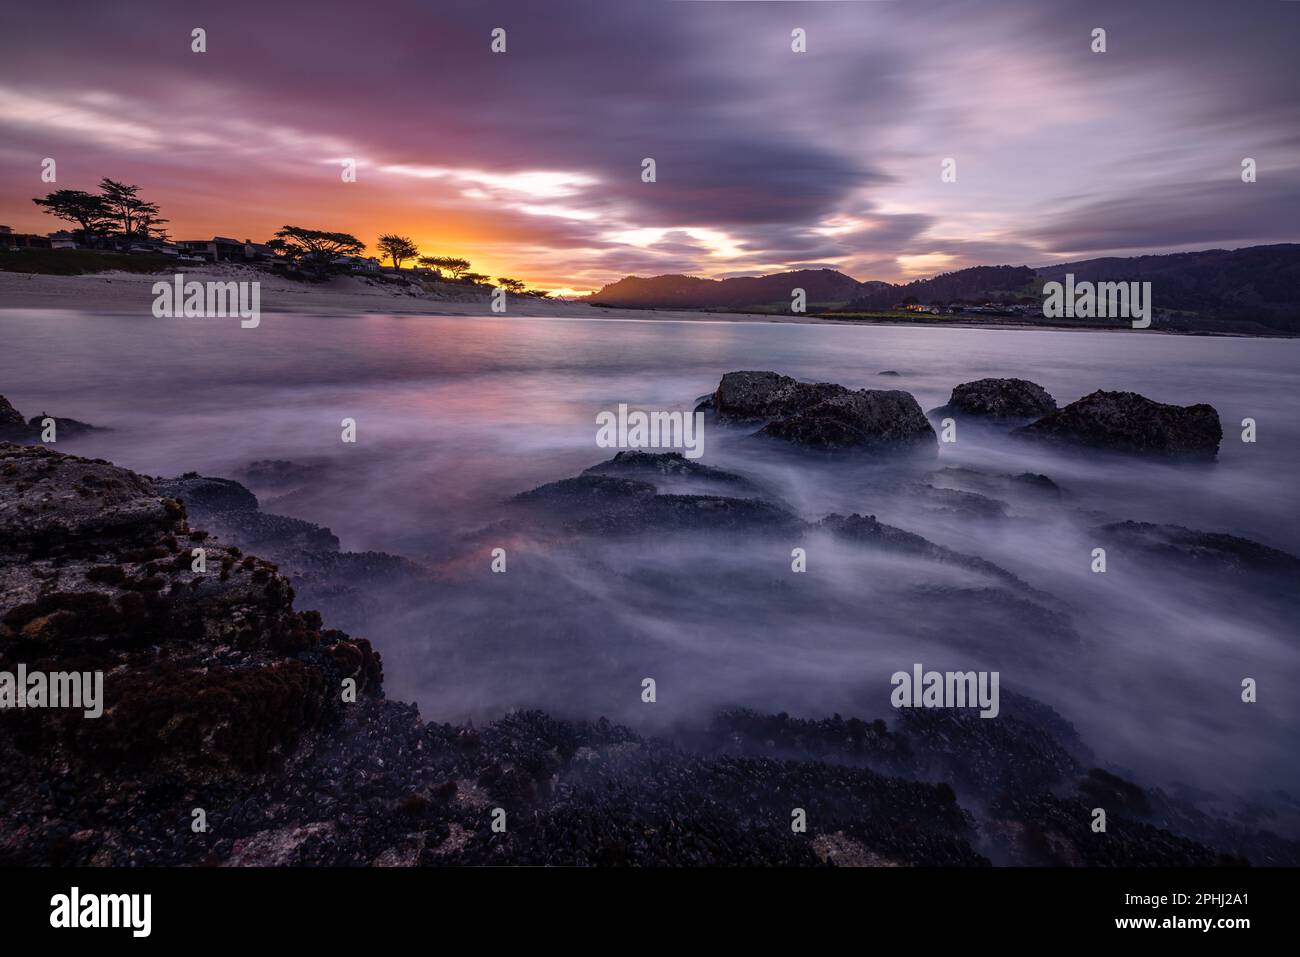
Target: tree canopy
[
  {"x": 314, "y": 249},
  {"x": 454, "y": 265},
  {"x": 87, "y": 210},
  {"x": 397, "y": 248}
]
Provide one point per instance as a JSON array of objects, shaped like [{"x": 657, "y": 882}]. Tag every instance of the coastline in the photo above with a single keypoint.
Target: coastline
[{"x": 123, "y": 293}]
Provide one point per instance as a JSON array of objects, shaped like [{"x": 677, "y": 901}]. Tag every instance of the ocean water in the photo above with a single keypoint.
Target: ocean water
[{"x": 455, "y": 415}]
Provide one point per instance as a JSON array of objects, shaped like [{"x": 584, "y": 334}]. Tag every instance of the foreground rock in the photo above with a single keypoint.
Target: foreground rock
[
  {"x": 999, "y": 399},
  {"x": 1128, "y": 422},
  {"x": 209, "y": 674},
  {"x": 221, "y": 696},
  {"x": 345, "y": 585},
  {"x": 822, "y": 415}
]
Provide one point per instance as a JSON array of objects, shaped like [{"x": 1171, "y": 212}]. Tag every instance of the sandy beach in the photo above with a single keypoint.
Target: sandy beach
[
  {"x": 131, "y": 293},
  {"x": 123, "y": 293}
]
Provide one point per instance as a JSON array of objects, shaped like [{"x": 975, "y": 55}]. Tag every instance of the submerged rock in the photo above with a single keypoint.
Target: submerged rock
[
  {"x": 960, "y": 502},
  {"x": 1129, "y": 422},
  {"x": 999, "y": 399},
  {"x": 593, "y": 503},
  {"x": 215, "y": 686},
  {"x": 14, "y": 428},
  {"x": 669, "y": 466},
  {"x": 1212, "y": 551},
  {"x": 866, "y": 530},
  {"x": 1024, "y": 484}
]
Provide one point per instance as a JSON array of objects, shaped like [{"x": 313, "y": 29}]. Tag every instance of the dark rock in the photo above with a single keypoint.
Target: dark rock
[
  {"x": 864, "y": 420},
  {"x": 63, "y": 428},
  {"x": 216, "y": 686},
  {"x": 52, "y": 500},
  {"x": 822, "y": 415},
  {"x": 1128, "y": 422},
  {"x": 1103, "y": 789},
  {"x": 969, "y": 504},
  {"x": 754, "y": 396},
  {"x": 1026, "y": 484},
  {"x": 1041, "y": 829},
  {"x": 604, "y": 504},
  {"x": 10, "y": 418},
  {"x": 866, "y": 530},
  {"x": 999, "y": 399},
  {"x": 208, "y": 494},
  {"x": 14, "y": 428},
  {"x": 1211, "y": 551},
  {"x": 209, "y": 675},
  {"x": 650, "y": 466}
]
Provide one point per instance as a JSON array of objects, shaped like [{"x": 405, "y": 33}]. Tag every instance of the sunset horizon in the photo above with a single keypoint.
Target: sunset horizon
[
  {"x": 525, "y": 164},
  {"x": 444, "y": 442}
]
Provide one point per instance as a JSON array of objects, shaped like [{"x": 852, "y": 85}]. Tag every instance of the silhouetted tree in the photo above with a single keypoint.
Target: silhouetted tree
[
  {"x": 314, "y": 249},
  {"x": 476, "y": 278},
  {"x": 510, "y": 285},
  {"x": 454, "y": 265},
  {"x": 88, "y": 211},
  {"x": 126, "y": 207},
  {"x": 397, "y": 248}
]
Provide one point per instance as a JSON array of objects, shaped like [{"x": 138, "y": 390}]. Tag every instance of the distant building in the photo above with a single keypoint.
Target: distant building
[
  {"x": 357, "y": 263},
  {"x": 63, "y": 239},
  {"x": 224, "y": 249},
  {"x": 154, "y": 247},
  {"x": 12, "y": 240}
]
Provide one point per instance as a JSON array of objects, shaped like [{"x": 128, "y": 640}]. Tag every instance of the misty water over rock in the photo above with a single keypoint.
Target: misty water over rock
[
  {"x": 219, "y": 684},
  {"x": 976, "y": 556}
]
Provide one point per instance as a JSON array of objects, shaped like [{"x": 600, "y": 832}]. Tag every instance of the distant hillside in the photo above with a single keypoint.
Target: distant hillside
[
  {"x": 976, "y": 284},
  {"x": 1260, "y": 283},
  {"x": 689, "y": 292},
  {"x": 1238, "y": 290}
]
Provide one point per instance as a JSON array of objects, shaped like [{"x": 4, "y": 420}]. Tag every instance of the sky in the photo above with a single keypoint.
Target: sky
[{"x": 529, "y": 162}]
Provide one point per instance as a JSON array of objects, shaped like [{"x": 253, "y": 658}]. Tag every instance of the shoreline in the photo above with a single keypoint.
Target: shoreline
[{"x": 122, "y": 293}]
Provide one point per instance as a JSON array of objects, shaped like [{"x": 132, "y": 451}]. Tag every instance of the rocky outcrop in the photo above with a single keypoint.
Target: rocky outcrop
[
  {"x": 1132, "y": 423},
  {"x": 208, "y": 673},
  {"x": 229, "y": 510},
  {"x": 221, "y": 696},
  {"x": 999, "y": 399},
  {"x": 756, "y": 396},
  {"x": 822, "y": 415},
  {"x": 10, "y": 418},
  {"x": 210, "y": 494},
  {"x": 14, "y": 428}
]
